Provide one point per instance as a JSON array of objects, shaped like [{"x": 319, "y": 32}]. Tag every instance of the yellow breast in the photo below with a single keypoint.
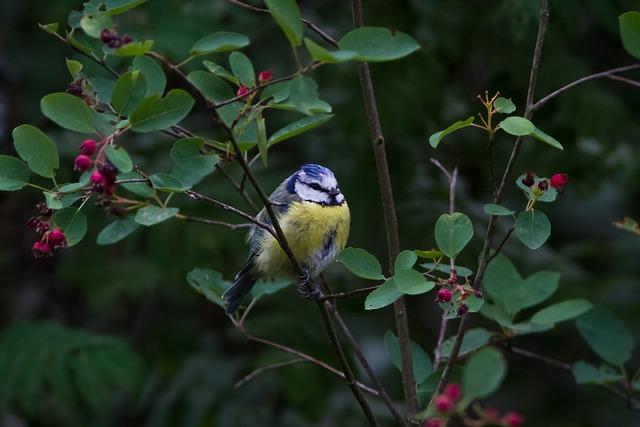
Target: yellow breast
[{"x": 315, "y": 233}]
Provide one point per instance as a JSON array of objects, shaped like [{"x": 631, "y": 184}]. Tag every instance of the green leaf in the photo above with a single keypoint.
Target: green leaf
[
  {"x": 299, "y": 127},
  {"x": 156, "y": 113},
  {"x": 263, "y": 146},
  {"x": 152, "y": 215},
  {"x": 411, "y": 282},
  {"x": 141, "y": 189},
  {"x": 75, "y": 186},
  {"x": 51, "y": 28},
  {"x": 287, "y": 16},
  {"x": 167, "y": 183},
  {"x": 103, "y": 88},
  {"x": 93, "y": 24},
  {"x": 361, "y": 263},
  {"x": 446, "y": 268},
  {"x": 533, "y": 228},
  {"x": 435, "y": 139},
  {"x": 586, "y": 373},
  {"x": 120, "y": 158},
  {"x": 35, "y": 148},
  {"x": 73, "y": 223},
  {"x": 303, "y": 96},
  {"x": 134, "y": 48},
  {"x": 69, "y": 112},
  {"x": 405, "y": 259},
  {"x": 453, "y": 232},
  {"x": 419, "y": 358},
  {"x": 14, "y": 174},
  {"x": 208, "y": 283},
  {"x": 154, "y": 77},
  {"x": 386, "y": 294},
  {"x": 547, "y": 139},
  {"x": 377, "y": 44},
  {"x": 220, "y": 71},
  {"x": 483, "y": 374},
  {"x": 504, "y": 105},
  {"x": 507, "y": 288},
  {"x": 222, "y": 41},
  {"x": 79, "y": 44},
  {"x": 117, "y": 7},
  {"x": 473, "y": 339},
  {"x": 129, "y": 91},
  {"x": 117, "y": 230},
  {"x": 518, "y": 126},
  {"x": 562, "y": 311},
  {"x": 430, "y": 254},
  {"x": 265, "y": 287},
  {"x": 189, "y": 154},
  {"x": 629, "y": 24},
  {"x": 242, "y": 68},
  {"x": 74, "y": 68},
  {"x": 607, "y": 335},
  {"x": 319, "y": 53},
  {"x": 216, "y": 90},
  {"x": 498, "y": 210}
]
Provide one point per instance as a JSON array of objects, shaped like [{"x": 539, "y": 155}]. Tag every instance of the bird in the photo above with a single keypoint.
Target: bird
[{"x": 315, "y": 219}]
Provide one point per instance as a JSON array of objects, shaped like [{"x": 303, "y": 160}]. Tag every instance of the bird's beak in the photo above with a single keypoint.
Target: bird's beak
[{"x": 334, "y": 191}]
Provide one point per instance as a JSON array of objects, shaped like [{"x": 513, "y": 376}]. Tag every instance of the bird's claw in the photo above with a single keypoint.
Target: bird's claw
[{"x": 307, "y": 287}]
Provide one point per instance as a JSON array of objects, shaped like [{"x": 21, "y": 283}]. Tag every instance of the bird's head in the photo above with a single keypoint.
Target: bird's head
[{"x": 317, "y": 184}]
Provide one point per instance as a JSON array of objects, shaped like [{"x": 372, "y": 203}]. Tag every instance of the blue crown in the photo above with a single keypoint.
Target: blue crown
[{"x": 313, "y": 170}]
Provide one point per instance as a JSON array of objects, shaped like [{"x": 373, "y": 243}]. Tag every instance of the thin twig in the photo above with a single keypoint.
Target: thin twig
[
  {"x": 453, "y": 180},
  {"x": 347, "y": 294},
  {"x": 258, "y": 371},
  {"x": 603, "y": 74},
  {"x": 390, "y": 218},
  {"x": 502, "y": 243},
  {"x": 535, "y": 67},
  {"x": 326, "y": 37},
  {"x": 624, "y": 80},
  {"x": 213, "y": 222}
]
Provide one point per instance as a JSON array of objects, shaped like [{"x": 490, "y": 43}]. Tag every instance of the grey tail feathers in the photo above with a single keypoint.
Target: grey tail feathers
[{"x": 242, "y": 285}]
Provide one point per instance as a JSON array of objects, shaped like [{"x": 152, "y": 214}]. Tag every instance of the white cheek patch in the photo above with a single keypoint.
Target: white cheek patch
[
  {"x": 309, "y": 194},
  {"x": 328, "y": 182},
  {"x": 339, "y": 198}
]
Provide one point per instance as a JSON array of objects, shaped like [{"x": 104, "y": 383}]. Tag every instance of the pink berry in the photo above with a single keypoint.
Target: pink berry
[
  {"x": 106, "y": 35},
  {"x": 453, "y": 390},
  {"x": 56, "y": 237},
  {"x": 444, "y": 403},
  {"x": 88, "y": 147},
  {"x": 41, "y": 249},
  {"x": 433, "y": 422},
  {"x": 265, "y": 76},
  {"x": 559, "y": 180},
  {"x": 242, "y": 91},
  {"x": 97, "y": 177},
  {"x": 82, "y": 163},
  {"x": 513, "y": 419},
  {"x": 444, "y": 295}
]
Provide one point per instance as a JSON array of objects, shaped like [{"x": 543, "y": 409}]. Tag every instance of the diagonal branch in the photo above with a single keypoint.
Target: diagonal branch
[
  {"x": 390, "y": 219},
  {"x": 484, "y": 255}
]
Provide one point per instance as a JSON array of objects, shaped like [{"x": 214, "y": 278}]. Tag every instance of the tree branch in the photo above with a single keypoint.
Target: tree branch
[
  {"x": 262, "y": 369},
  {"x": 607, "y": 73},
  {"x": 390, "y": 219},
  {"x": 483, "y": 259}
]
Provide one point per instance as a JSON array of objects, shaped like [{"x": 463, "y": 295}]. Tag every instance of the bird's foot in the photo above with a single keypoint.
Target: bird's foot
[{"x": 307, "y": 287}]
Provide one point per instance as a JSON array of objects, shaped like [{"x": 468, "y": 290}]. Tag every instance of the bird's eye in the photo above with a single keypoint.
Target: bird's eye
[{"x": 316, "y": 186}]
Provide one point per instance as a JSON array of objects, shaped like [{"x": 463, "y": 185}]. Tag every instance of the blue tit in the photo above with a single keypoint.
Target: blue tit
[{"x": 315, "y": 219}]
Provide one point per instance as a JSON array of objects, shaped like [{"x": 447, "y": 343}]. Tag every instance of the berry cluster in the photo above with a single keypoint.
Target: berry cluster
[
  {"x": 445, "y": 405},
  {"x": 557, "y": 181},
  {"x": 263, "y": 77},
  {"x": 52, "y": 238},
  {"x": 445, "y": 293},
  {"x": 104, "y": 176},
  {"x": 113, "y": 40}
]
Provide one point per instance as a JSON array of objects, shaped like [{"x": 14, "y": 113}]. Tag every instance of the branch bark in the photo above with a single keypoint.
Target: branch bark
[{"x": 390, "y": 219}]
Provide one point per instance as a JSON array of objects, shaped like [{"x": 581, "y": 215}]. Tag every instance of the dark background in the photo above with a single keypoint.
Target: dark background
[{"x": 137, "y": 290}]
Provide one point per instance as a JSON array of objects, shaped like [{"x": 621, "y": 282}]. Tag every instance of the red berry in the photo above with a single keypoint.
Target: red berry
[
  {"x": 529, "y": 179},
  {"x": 265, "y": 76},
  {"x": 543, "y": 185},
  {"x": 433, "y": 422},
  {"x": 82, "y": 163},
  {"x": 126, "y": 39},
  {"x": 97, "y": 177},
  {"x": 462, "y": 310},
  {"x": 444, "y": 295},
  {"x": 242, "y": 91},
  {"x": 513, "y": 419},
  {"x": 56, "y": 237},
  {"x": 453, "y": 390},
  {"x": 107, "y": 35},
  {"x": 444, "y": 403},
  {"x": 559, "y": 180},
  {"x": 41, "y": 249},
  {"x": 88, "y": 147}
]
